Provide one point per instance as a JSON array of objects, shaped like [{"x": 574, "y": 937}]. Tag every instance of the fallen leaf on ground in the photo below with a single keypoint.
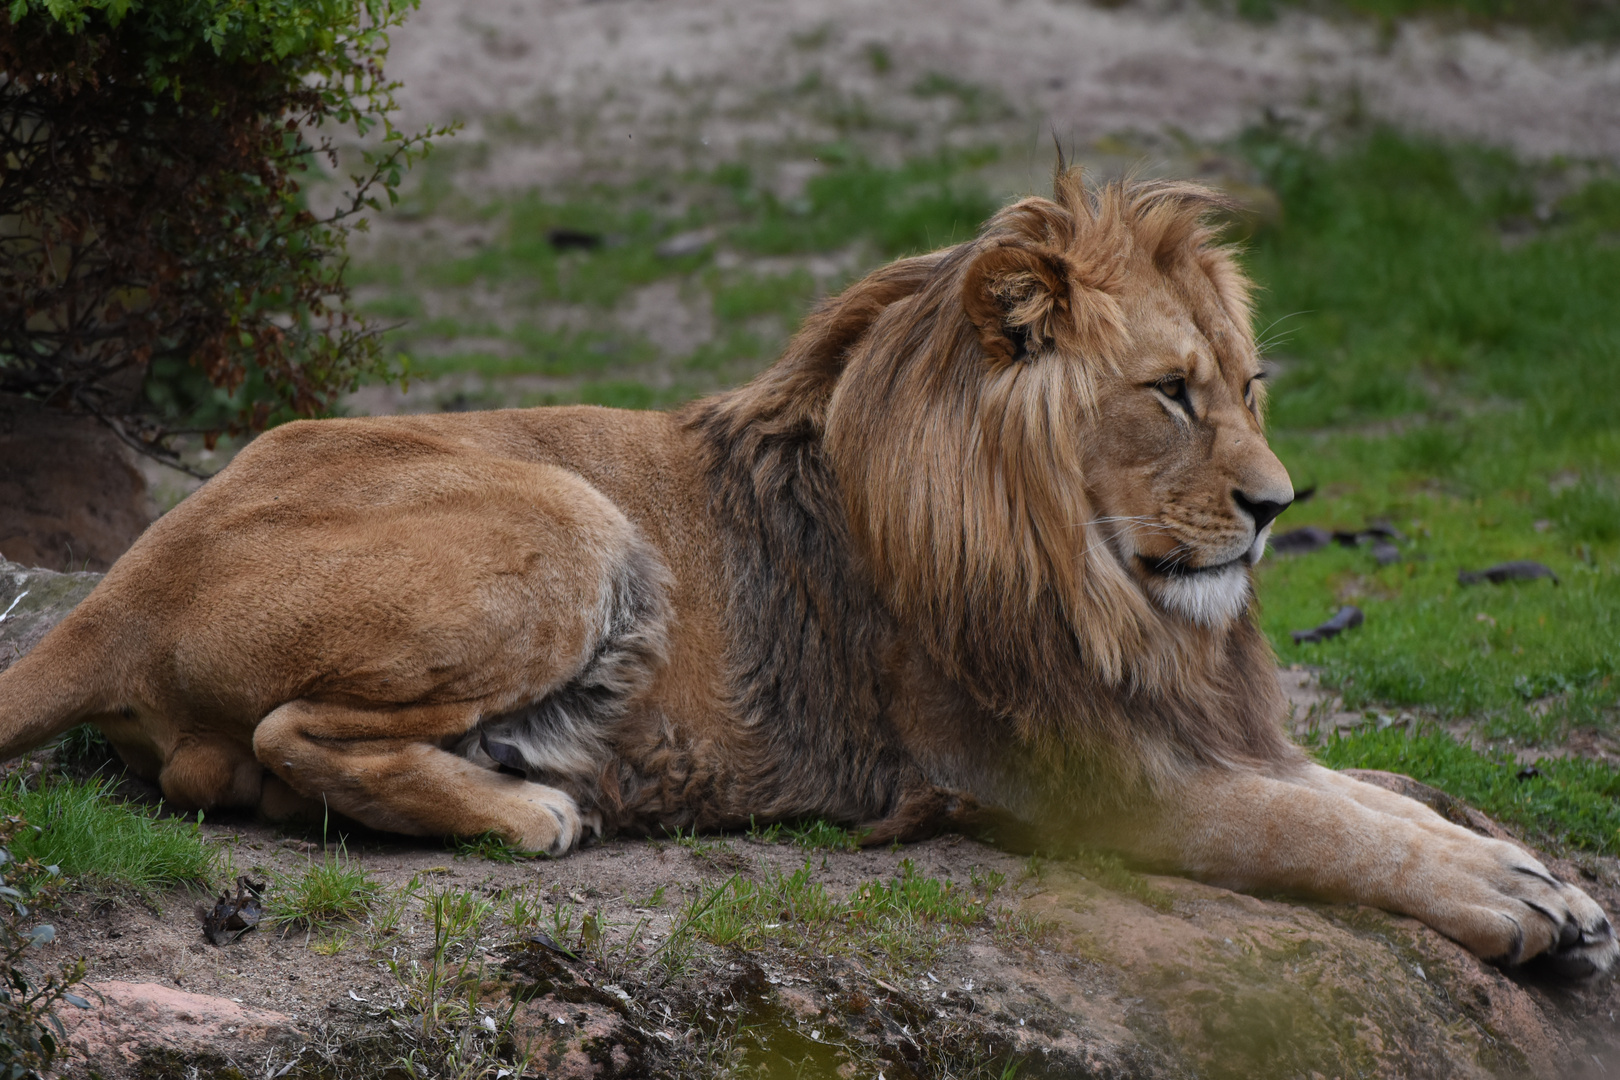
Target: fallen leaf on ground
[
  {"x": 1301, "y": 541},
  {"x": 1344, "y": 619},
  {"x": 545, "y": 941},
  {"x": 233, "y": 916},
  {"x": 1518, "y": 570}
]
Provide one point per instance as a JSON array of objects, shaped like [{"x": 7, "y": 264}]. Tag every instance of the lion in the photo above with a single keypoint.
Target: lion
[{"x": 977, "y": 549}]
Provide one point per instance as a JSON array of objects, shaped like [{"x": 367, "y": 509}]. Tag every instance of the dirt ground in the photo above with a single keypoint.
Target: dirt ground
[
  {"x": 559, "y": 89},
  {"x": 1070, "y": 977},
  {"x": 558, "y": 95}
]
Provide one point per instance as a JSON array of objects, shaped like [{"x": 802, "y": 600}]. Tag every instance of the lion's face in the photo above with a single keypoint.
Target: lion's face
[
  {"x": 1181, "y": 481},
  {"x": 1055, "y": 430}
]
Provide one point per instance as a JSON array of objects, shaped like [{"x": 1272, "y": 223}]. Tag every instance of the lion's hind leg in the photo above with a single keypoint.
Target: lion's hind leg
[
  {"x": 385, "y": 768},
  {"x": 564, "y": 738},
  {"x": 205, "y": 772}
]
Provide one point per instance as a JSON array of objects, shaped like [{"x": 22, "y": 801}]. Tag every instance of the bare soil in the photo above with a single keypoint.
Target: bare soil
[
  {"x": 554, "y": 90},
  {"x": 1171, "y": 979}
]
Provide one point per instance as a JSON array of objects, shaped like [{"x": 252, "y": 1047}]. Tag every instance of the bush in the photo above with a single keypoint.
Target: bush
[
  {"x": 30, "y": 1032},
  {"x": 159, "y": 265}
]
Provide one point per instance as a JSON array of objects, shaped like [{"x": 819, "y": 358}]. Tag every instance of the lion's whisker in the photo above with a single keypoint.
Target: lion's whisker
[{"x": 1282, "y": 319}]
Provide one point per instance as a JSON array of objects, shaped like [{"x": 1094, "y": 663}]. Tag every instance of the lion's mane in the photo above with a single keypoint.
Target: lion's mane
[{"x": 904, "y": 471}]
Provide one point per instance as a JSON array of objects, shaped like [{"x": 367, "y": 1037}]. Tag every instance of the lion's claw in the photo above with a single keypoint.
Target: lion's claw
[
  {"x": 1558, "y": 928},
  {"x": 1582, "y": 952}
]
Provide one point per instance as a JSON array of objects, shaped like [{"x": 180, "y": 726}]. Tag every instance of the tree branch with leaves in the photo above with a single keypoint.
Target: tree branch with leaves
[{"x": 161, "y": 267}]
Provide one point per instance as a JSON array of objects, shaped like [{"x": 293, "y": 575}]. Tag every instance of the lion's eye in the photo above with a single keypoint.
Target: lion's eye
[{"x": 1175, "y": 388}]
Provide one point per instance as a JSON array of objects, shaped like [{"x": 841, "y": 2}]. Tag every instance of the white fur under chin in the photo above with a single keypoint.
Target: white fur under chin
[{"x": 1210, "y": 599}]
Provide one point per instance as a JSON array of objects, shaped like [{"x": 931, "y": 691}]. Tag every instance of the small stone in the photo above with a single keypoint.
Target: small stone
[{"x": 686, "y": 243}]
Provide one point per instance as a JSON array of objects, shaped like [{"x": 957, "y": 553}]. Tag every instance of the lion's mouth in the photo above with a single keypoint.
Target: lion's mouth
[{"x": 1175, "y": 567}]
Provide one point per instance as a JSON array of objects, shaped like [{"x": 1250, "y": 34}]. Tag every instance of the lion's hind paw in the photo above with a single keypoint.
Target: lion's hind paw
[{"x": 550, "y": 820}]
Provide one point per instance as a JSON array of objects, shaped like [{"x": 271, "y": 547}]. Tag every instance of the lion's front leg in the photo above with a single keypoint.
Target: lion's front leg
[{"x": 1313, "y": 833}]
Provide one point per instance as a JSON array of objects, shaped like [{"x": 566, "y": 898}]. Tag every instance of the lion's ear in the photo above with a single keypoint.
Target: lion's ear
[{"x": 1017, "y": 297}]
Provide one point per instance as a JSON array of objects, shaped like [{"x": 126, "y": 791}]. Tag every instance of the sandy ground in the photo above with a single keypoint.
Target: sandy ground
[{"x": 557, "y": 89}]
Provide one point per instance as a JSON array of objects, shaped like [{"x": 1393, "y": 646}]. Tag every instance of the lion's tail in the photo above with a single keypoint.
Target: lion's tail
[{"x": 69, "y": 676}]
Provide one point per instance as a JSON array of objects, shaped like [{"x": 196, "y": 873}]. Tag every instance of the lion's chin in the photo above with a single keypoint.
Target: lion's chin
[{"x": 1211, "y": 598}]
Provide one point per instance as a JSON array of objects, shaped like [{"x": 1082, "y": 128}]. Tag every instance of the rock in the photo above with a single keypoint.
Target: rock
[
  {"x": 1225, "y": 984},
  {"x": 32, "y": 601},
  {"x": 71, "y": 496},
  {"x": 686, "y": 243},
  {"x": 129, "y": 1021}
]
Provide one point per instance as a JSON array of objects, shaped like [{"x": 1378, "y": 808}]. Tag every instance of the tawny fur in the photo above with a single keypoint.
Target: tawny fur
[{"x": 975, "y": 550}]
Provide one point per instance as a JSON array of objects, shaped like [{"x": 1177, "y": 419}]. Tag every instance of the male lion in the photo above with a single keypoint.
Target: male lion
[{"x": 980, "y": 542}]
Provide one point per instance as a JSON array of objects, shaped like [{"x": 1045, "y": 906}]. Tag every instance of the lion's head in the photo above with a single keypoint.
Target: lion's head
[{"x": 1063, "y": 416}]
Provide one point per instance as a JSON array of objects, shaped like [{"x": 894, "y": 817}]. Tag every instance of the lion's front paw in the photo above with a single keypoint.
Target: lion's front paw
[
  {"x": 1585, "y": 947},
  {"x": 1507, "y": 908}
]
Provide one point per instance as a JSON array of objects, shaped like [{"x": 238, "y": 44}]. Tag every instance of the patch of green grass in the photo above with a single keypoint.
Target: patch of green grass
[
  {"x": 537, "y": 351},
  {"x": 492, "y": 847},
  {"x": 1021, "y": 930},
  {"x": 81, "y": 742},
  {"x": 819, "y": 835},
  {"x": 928, "y": 899},
  {"x": 695, "y": 842},
  {"x": 619, "y": 394},
  {"x": 1439, "y": 377},
  {"x": 1595, "y": 207},
  {"x": 444, "y": 1024},
  {"x": 1587, "y": 511},
  {"x": 626, "y": 236},
  {"x": 99, "y": 840},
  {"x": 328, "y": 893},
  {"x": 1566, "y": 803},
  {"x": 1430, "y": 641},
  {"x": 734, "y": 345},
  {"x": 394, "y": 306},
  {"x": 764, "y": 834},
  {"x": 924, "y": 204},
  {"x": 611, "y": 247},
  {"x": 903, "y": 919},
  {"x": 525, "y": 907},
  {"x": 746, "y": 297}
]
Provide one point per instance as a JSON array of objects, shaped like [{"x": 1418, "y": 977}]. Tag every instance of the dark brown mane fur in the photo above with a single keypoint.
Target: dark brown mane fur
[{"x": 898, "y": 483}]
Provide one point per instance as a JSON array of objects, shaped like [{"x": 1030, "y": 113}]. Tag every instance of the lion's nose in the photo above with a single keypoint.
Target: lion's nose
[{"x": 1263, "y": 511}]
